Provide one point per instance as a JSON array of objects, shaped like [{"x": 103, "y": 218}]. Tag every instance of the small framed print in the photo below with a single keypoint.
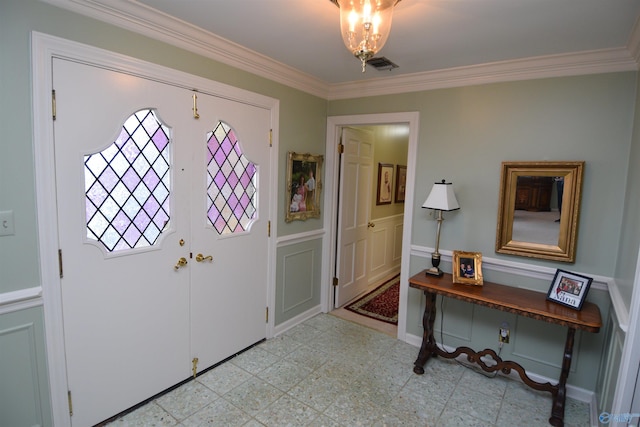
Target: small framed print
[
  {"x": 304, "y": 184},
  {"x": 385, "y": 176},
  {"x": 467, "y": 268},
  {"x": 401, "y": 183},
  {"x": 569, "y": 289}
]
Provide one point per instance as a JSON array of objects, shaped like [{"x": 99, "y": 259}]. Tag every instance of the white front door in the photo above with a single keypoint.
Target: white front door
[
  {"x": 132, "y": 191},
  {"x": 354, "y": 214},
  {"x": 229, "y": 224}
]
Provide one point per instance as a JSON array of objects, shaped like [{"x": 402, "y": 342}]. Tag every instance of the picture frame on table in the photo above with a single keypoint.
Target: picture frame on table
[
  {"x": 569, "y": 289},
  {"x": 384, "y": 193},
  {"x": 401, "y": 183},
  {"x": 467, "y": 268},
  {"x": 304, "y": 185}
]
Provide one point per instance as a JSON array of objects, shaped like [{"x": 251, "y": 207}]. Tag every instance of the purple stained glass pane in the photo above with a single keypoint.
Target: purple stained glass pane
[
  {"x": 151, "y": 179},
  {"x": 151, "y": 206},
  {"x": 232, "y": 179},
  {"x": 131, "y": 235},
  {"x": 142, "y": 220},
  {"x": 131, "y": 179},
  {"x": 226, "y": 146},
  {"x": 160, "y": 139},
  {"x": 220, "y": 157},
  {"x": 245, "y": 180},
  {"x": 219, "y": 179}
]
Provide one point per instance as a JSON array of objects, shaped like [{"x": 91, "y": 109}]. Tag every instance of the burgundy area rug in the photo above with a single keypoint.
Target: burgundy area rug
[{"x": 381, "y": 303}]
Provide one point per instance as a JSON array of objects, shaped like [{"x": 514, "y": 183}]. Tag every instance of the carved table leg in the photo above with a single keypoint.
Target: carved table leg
[
  {"x": 428, "y": 347},
  {"x": 557, "y": 410}
]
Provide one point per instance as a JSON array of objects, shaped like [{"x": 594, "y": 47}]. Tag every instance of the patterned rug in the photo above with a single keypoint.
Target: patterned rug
[{"x": 381, "y": 303}]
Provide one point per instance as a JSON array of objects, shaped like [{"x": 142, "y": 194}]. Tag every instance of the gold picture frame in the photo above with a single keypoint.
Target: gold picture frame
[
  {"x": 304, "y": 186},
  {"x": 467, "y": 268},
  {"x": 384, "y": 194},
  {"x": 401, "y": 183}
]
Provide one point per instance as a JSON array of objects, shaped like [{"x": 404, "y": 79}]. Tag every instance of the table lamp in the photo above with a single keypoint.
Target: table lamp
[{"x": 441, "y": 199}]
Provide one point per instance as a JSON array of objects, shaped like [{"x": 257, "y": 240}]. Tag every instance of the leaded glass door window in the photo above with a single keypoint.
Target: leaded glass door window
[
  {"x": 231, "y": 183},
  {"x": 127, "y": 185}
]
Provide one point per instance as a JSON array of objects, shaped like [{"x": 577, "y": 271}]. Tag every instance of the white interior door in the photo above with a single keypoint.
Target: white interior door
[
  {"x": 133, "y": 317},
  {"x": 229, "y": 223},
  {"x": 354, "y": 214}
]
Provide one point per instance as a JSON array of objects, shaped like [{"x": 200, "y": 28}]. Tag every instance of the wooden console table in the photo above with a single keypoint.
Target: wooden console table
[{"x": 519, "y": 301}]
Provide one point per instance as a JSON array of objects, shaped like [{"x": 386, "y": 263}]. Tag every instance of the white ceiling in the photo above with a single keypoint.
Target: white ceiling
[{"x": 426, "y": 36}]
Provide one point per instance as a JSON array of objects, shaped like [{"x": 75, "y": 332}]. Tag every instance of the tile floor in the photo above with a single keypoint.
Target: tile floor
[{"x": 329, "y": 371}]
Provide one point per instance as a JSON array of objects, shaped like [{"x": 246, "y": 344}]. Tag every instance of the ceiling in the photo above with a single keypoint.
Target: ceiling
[{"x": 427, "y": 36}]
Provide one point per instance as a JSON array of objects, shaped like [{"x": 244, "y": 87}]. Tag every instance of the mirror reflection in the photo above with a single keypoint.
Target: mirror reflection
[{"x": 538, "y": 209}]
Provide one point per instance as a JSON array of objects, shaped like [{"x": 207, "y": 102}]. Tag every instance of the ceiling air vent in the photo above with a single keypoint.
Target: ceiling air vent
[{"x": 381, "y": 63}]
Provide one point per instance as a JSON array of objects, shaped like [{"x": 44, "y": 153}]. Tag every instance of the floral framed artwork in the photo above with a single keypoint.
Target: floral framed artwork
[
  {"x": 385, "y": 188},
  {"x": 467, "y": 268},
  {"x": 569, "y": 289},
  {"x": 401, "y": 183},
  {"x": 304, "y": 185}
]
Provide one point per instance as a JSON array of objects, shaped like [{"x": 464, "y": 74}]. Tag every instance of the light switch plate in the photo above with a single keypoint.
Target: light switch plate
[{"x": 6, "y": 223}]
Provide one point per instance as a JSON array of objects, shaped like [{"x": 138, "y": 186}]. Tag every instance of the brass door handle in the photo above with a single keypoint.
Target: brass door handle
[
  {"x": 371, "y": 225},
  {"x": 181, "y": 263},
  {"x": 201, "y": 258}
]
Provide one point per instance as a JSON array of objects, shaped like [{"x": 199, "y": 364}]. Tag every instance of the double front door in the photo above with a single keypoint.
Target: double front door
[{"x": 163, "y": 196}]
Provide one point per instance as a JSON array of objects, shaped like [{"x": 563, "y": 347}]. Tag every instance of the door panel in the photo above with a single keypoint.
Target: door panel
[
  {"x": 126, "y": 315},
  {"x": 238, "y": 270},
  {"x": 132, "y": 320},
  {"x": 355, "y": 196}
]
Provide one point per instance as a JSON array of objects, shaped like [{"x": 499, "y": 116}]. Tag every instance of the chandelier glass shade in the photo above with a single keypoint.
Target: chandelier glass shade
[{"x": 365, "y": 26}]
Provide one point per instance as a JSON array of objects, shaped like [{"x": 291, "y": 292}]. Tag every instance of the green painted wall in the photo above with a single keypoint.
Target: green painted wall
[
  {"x": 629, "y": 231},
  {"x": 465, "y": 133},
  {"x": 302, "y": 116}
]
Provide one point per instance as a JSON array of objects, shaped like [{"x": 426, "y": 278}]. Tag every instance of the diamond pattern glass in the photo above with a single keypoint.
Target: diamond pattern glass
[
  {"x": 127, "y": 185},
  {"x": 231, "y": 183}
]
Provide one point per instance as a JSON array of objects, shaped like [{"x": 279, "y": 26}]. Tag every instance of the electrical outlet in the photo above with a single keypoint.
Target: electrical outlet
[{"x": 503, "y": 335}]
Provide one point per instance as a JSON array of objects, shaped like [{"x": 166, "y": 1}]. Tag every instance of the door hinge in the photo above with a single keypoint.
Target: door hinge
[
  {"x": 270, "y": 137},
  {"x": 53, "y": 104},
  {"x": 340, "y": 148},
  {"x": 60, "y": 263},
  {"x": 70, "y": 402},
  {"x": 335, "y": 282},
  {"x": 194, "y": 367},
  {"x": 266, "y": 315},
  {"x": 269, "y": 228}
]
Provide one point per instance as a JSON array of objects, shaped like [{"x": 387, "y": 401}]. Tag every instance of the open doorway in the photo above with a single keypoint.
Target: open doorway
[{"x": 382, "y": 250}]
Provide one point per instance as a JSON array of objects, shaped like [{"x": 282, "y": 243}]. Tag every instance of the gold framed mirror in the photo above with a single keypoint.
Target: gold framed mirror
[{"x": 538, "y": 209}]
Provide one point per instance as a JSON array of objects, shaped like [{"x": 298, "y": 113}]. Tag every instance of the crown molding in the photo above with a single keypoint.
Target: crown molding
[
  {"x": 141, "y": 19},
  {"x": 149, "y": 22},
  {"x": 572, "y": 64}
]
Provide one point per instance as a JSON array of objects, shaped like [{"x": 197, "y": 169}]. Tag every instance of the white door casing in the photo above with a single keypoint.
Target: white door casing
[
  {"x": 354, "y": 214},
  {"x": 117, "y": 321}
]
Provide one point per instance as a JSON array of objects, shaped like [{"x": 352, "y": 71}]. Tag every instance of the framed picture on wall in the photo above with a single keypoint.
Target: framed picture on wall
[
  {"x": 385, "y": 189},
  {"x": 401, "y": 183},
  {"x": 304, "y": 184}
]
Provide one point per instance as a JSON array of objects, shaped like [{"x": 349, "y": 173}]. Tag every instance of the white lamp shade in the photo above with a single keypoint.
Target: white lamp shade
[{"x": 442, "y": 197}]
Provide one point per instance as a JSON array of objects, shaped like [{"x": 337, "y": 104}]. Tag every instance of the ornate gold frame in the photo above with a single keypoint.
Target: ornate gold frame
[
  {"x": 565, "y": 250},
  {"x": 460, "y": 258},
  {"x": 299, "y": 165}
]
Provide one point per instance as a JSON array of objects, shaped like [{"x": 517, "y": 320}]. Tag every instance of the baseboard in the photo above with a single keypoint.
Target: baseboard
[
  {"x": 288, "y": 324},
  {"x": 577, "y": 393}
]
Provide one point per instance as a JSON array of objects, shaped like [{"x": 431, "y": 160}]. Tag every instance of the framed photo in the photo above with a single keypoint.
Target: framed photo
[
  {"x": 569, "y": 289},
  {"x": 467, "y": 268},
  {"x": 385, "y": 177},
  {"x": 401, "y": 183},
  {"x": 304, "y": 184}
]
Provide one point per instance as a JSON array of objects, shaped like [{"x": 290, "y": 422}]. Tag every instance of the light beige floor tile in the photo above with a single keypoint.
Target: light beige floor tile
[
  {"x": 223, "y": 378},
  {"x": 150, "y": 415},
  {"x": 287, "y": 411},
  {"x": 186, "y": 400},
  {"x": 284, "y": 374},
  {"x": 255, "y": 360},
  {"x": 253, "y": 396},
  {"x": 218, "y": 413}
]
